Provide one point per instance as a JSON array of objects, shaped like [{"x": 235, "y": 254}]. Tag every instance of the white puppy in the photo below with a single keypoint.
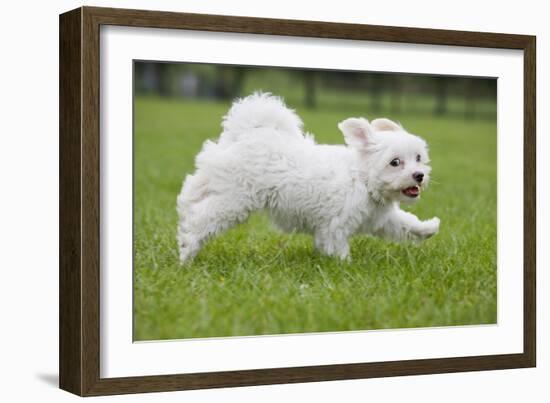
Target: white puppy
[{"x": 263, "y": 160}]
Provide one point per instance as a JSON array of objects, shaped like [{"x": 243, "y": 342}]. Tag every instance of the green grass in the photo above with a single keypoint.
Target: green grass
[{"x": 255, "y": 280}]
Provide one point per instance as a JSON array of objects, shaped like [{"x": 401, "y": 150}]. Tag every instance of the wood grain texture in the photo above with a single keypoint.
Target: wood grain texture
[
  {"x": 70, "y": 273},
  {"x": 317, "y": 29},
  {"x": 304, "y": 374},
  {"x": 530, "y": 202},
  {"x": 80, "y": 200},
  {"x": 90, "y": 201}
]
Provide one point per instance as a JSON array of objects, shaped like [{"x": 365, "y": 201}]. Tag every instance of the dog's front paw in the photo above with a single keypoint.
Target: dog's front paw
[{"x": 429, "y": 228}]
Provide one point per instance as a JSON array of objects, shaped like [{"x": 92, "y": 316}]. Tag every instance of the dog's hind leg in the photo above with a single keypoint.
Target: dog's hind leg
[{"x": 202, "y": 219}]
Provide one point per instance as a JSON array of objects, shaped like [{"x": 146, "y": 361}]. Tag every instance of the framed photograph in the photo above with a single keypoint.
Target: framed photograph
[{"x": 248, "y": 201}]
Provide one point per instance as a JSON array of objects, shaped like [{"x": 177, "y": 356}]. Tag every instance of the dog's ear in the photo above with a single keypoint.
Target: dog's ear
[
  {"x": 357, "y": 132},
  {"x": 384, "y": 124}
]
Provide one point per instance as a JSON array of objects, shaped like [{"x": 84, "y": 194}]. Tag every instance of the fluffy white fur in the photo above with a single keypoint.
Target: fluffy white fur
[{"x": 263, "y": 160}]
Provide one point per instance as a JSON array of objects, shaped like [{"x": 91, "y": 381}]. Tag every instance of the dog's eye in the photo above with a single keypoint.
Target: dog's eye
[
  {"x": 395, "y": 162},
  {"x": 418, "y": 158}
]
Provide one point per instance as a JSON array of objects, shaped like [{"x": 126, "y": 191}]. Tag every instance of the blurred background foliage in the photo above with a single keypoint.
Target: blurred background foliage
[{"x": 465, "y": 97}]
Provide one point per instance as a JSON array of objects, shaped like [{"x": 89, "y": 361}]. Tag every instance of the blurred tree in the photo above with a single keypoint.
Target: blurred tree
[
  {"x": 229, "y": 81},
  {"x": 139, "y": 73},
  {"x": 392, "y": 94},
  {"x": 310, "y": 88},
  {"x": 239, "y": 76},
  {"x": 441, "y": 95},
  {"x": 164, "y": 79},
  {"x": 396, "y": 102},
  {"x": 222, "y": 82},
  {"x": 470, "y": 94},
  {"x": 375, "y": 92}
]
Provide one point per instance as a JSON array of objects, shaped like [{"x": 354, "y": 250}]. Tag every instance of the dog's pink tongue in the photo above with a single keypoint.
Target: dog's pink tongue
[{"x": 411, "y": 191}]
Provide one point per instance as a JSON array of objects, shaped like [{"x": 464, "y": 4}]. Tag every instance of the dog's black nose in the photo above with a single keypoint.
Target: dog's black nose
[{"x": 418, "y": 176}]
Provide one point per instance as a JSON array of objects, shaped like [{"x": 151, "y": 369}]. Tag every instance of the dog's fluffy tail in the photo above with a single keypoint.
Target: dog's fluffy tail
[{"x": 260, "y": 110}]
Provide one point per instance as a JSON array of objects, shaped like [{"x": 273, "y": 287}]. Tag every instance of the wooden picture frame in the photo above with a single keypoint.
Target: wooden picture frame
[{"x": 79, "y": 346}]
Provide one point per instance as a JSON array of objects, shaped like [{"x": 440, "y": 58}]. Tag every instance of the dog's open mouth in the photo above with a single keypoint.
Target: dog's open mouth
[{"x": 412, "y": 191}]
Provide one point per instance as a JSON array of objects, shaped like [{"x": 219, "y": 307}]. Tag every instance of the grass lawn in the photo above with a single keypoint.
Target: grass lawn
[{"x": 255, "y": 280}]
